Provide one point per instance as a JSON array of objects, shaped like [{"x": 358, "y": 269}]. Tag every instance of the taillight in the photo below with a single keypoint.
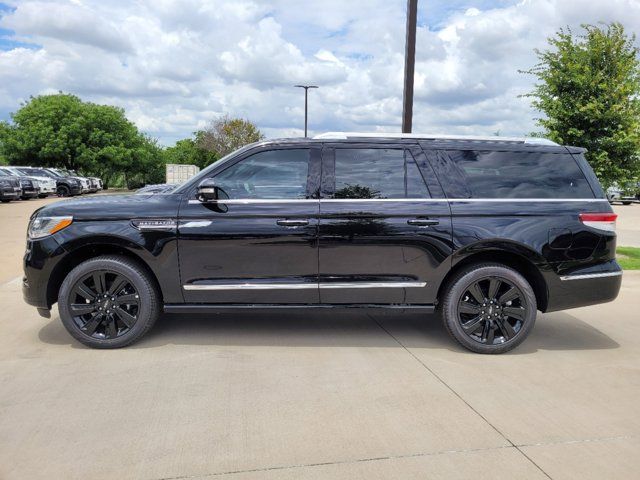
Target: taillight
[{"x": 601, "y": 221}]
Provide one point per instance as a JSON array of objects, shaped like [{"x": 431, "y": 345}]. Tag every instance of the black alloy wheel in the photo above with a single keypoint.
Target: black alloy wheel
[
  {"x": 492, "y": 310},
  {"x": 109, "y": 301},
  {"x": 63, "y": 191},
  {"x": 489, "y": 308},
  {"x": 104, "y": 304}
]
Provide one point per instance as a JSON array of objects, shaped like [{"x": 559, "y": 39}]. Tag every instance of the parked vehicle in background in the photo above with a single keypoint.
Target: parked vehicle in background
[
  {"x": 626, "y": 195},
  {"x": 29, "y": 185},
  {"x": 9, "y": 187},
  {"x": 46, "y": 183},
  {"x": 614, "y": 194},
  {"x": 486, "y": 231},
  {"x": 157, "y": 188},
  {"x": 67, "y": 185},
  {"x": 95, "y": 184}
]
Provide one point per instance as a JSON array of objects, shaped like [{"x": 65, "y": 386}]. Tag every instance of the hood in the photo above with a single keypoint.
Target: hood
[{"x": 115, "y": 207}]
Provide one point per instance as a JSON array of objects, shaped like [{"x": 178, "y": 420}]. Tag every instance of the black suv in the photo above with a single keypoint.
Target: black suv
[
  {"x": 485, "y": 231},
  {"x": 29, "y": 187},
  {"x": 10, "y": 188}
]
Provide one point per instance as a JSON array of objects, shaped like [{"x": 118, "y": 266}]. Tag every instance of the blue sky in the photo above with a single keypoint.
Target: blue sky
[{"x": 176, "y": 65}]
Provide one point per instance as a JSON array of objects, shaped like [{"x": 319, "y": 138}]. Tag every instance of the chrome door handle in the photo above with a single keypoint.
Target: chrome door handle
[
  {"x": 293, "y": 223},
  {"x": 422, "y": 222}
]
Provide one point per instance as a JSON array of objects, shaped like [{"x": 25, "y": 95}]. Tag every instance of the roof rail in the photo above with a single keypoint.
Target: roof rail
[{"x": 470, "y": 138}]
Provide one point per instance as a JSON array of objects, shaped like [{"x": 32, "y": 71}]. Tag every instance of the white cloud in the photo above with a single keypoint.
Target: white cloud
[{"x": 174, "y": 65}]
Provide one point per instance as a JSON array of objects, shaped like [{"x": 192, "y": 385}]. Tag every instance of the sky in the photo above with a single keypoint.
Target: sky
[{"x": 174, "y": 66}]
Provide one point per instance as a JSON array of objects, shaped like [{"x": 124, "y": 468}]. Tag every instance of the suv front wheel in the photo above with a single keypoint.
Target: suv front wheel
[
  {"x": 489, "y": 308},
  {"x": 108, "y": 302}
]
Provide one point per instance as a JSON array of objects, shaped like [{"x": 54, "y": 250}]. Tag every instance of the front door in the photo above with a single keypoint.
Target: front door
[
  {"x": 258, "y": 243},
  {"x": 384, "y": 237}
]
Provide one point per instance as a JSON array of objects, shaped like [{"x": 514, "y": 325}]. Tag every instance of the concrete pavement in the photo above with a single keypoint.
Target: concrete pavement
[
  {"x": 628, "y": 224},
  {"x": 350, "y": 395}
]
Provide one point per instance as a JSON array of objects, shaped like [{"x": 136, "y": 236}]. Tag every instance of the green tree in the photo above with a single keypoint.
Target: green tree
[
  {"x": 63, "y": 131},
  {"x": 588, "y": 88},
  {"x": 4, "y": 130},
  {"x": 226, "y": 134},
  {"x": 189, "y": 152}
]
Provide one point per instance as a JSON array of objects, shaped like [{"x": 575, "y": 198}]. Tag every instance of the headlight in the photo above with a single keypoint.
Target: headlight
[{"x": 41, "y": 227}]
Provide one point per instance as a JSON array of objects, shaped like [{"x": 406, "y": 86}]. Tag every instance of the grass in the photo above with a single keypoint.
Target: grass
[{"x": 628, "y": 258}]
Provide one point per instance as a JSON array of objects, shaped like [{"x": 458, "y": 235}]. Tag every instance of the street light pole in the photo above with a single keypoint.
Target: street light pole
[
  {"x": 306, "y": 93},
  {"x": 409, "y": 66}
]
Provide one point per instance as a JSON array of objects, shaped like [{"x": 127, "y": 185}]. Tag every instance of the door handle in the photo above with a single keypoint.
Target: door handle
[
  {"x": 293, "y": 223},
  {"x": 422, "y": 222}
]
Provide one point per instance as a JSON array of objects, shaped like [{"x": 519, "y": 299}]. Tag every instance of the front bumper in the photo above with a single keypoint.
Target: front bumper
[
  {"x": 75, "y": 190},
  {"x": 30, "y": 192},
  {"x": 39, "y": 262},
  {"x": 10, "y": 193}
]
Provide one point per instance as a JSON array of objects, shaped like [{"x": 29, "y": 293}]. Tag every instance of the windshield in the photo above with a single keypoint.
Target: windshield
[
  {"x": 55, "y": 173},
  {"x": 4, "y": 173},
  {"x": 39, "y": 172},
  {"x": 204, "y": 173}
]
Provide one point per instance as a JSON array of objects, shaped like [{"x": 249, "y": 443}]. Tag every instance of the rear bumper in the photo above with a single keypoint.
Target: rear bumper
[{"x": 584, "y": 288}]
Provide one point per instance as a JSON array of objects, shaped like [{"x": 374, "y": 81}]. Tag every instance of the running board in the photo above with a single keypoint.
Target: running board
[{"x": 215, "y": 308}]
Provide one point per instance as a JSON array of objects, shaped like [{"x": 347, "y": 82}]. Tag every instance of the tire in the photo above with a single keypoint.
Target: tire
[
  {"x": 5, "y": 201},
  {"x": 63, "y": 191},
  {"x": 43, "y": 195},
  {"x": 495, "y": 327},
  {"x": 133, "y": 312},
  {"x": 626, "y": 203}
]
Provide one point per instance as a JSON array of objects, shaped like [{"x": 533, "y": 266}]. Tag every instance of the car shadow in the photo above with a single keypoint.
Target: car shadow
[{"x": 339, "y": 328}]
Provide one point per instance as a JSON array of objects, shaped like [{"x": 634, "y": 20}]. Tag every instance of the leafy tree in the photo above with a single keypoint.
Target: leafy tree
[
  {"x": 61, "y": 130},
  {"x": 588, "y": 88},
  {"x": 226, "y": 134},
  {"x": 189, "y": 152},
  {"x": 4, "y": 130}
]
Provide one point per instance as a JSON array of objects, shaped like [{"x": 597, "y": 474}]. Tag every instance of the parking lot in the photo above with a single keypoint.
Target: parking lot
[{"x": 350, "y": 395}]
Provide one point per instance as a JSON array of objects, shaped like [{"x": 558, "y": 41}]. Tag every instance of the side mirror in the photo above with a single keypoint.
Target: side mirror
[{"x": 207, "y": 191}]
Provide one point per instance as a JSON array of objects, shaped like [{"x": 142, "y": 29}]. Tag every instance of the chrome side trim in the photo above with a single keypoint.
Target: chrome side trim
[
  {"x": 252, "y": 286},
  {"x": 328, "y": 285},
  {"x": 250, "y": 201},
  {"x": 588, "y": 276},
  {"x": 301, "y": 286}
]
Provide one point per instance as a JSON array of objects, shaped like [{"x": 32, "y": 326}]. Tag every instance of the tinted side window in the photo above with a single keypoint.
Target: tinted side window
[
  {"x": 521, "y": 174},
  {"x": 272, "y": 174},
  {"x": 377, "y": 173}
]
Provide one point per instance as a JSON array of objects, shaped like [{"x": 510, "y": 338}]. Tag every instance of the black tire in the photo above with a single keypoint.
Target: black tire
[
  {"x": 486, "y": 321},
  {"x": 133, "y": 308},
  {"x": 63, "y": 191},
  {"x": 626, "y": 203},
  {"x": 5, "y": 201},
  {"x": 43, "y": 195}
]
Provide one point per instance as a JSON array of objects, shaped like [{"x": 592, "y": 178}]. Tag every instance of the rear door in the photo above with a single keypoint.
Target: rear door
[
  {"x": 258, "y": 243},
  {"x": 384, "y": 234}
]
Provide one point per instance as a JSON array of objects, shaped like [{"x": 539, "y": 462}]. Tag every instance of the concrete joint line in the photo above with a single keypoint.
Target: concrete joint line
[
  {"x": 460, "y": 397},
  {"x": 337, "y": 462}
]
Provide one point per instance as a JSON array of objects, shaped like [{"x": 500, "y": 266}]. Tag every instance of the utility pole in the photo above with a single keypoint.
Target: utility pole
[
  {"x": 306, "y": 93},
  {"x": 409, "y": 66}
]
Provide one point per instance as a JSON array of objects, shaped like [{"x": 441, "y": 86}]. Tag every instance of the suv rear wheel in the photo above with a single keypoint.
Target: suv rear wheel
[
  {"x": 108, "y": 302},
  {"x": 489, "y": 308}
]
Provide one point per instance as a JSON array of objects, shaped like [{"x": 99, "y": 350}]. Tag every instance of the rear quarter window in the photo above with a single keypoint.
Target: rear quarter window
[{"x": 494, "y": 174}]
